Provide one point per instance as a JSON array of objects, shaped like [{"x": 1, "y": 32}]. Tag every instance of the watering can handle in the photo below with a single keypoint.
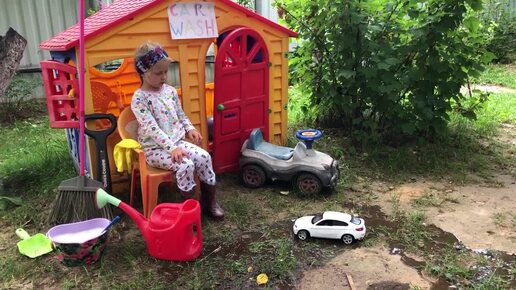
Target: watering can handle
[{"x": 22, "y": 234}]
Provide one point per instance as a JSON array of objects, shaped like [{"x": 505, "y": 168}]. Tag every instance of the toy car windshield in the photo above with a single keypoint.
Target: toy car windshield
[
  {"x": 317, "y": 218},
  {"x": 355, "y": 220}
]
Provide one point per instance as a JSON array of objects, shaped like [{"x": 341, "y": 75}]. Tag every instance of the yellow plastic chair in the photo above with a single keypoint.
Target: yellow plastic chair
[{"x": 150, "y": 177}]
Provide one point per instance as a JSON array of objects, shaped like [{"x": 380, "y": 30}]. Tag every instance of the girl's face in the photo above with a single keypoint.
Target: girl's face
[{"x": 156, "y": 76}]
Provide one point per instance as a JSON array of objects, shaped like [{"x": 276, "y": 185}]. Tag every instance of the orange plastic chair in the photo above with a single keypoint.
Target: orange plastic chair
[
  {"x": 103, "y": 96},
  {"x": 150, "y": 177}
]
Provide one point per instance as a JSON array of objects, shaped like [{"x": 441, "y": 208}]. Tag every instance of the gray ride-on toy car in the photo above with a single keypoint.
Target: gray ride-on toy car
[{"x": 310, "y": 171}]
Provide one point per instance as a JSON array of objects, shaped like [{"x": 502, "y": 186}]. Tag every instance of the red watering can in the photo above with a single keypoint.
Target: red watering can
[{"x": 173, "y": 231}]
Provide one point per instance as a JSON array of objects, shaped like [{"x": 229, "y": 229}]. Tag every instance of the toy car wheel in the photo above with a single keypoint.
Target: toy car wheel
[
  {"x": 308, "y": 184},
  {"x": 303, "y": 235},
  {"x": 347, "y": 239},
  {"x": 253, "y": 176}
]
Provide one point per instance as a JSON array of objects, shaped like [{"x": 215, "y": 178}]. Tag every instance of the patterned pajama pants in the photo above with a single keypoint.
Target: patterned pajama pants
[{"x": 198, "y": 160}]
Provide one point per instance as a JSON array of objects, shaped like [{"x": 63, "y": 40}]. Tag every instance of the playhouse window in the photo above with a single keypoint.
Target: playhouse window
[
  {"x": 258, "y": 56},
  {"x": 209, "y": 68},
  {"x": 173, "y": 77},
  {"x": 109, "y": 66},
  {"x": 209, "y": 64}
]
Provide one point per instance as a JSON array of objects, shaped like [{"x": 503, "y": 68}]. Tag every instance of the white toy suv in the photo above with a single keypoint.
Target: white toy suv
[{"x": 330, "y": 225}]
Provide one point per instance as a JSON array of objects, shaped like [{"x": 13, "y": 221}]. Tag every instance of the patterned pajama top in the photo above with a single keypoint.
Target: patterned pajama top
[{"x": 162, "y": 122}]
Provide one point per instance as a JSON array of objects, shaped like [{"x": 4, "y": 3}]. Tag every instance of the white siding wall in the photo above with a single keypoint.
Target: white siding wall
[
  {"x": 37, "y": 20},
  {"x": 512, "y": 8},
  {"x": 265, "y": 9}
]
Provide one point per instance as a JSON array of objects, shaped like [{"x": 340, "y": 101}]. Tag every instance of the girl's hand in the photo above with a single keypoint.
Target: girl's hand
[
  {"x": 195, "y": 136},
  {"x": 178, "y": 154}
]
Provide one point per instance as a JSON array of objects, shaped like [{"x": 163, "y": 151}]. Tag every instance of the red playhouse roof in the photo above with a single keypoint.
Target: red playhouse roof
[{"x": 122, "y": 10}]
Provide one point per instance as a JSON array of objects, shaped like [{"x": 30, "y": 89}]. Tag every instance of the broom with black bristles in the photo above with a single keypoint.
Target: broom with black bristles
[{"x": 76, "y": 197}]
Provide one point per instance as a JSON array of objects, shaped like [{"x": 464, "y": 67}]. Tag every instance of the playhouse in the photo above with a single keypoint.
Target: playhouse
[{"x": 249, "y": 88}]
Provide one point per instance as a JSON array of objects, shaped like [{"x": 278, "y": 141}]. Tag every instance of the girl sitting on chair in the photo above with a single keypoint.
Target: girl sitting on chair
[{"x": 163, "y": 127}]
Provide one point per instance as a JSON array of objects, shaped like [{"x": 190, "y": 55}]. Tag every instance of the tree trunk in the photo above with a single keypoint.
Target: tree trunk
[{"x": 12, "y": 46}]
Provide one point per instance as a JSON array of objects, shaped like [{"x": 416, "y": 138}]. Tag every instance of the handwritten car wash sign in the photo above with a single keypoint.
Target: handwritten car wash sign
[{"x": 192, "y": 20}]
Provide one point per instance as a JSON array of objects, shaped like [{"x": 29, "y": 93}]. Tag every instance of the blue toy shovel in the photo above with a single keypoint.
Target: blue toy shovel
[{"x": 114, "y": 221}]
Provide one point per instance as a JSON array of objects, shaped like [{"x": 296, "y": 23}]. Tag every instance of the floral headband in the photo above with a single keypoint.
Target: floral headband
[{"x": 146, "y": 61}]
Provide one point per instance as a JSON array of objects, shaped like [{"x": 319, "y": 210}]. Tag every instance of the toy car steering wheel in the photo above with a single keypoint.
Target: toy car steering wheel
[{"x": 308, "y": 136}]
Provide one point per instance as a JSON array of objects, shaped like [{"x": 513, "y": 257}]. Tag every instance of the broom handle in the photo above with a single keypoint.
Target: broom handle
[{"x": 81, "y": 89}]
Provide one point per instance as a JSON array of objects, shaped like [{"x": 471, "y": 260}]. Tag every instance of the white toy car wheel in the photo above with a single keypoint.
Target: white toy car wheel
[
  {"x": 347, "y": 239},
  {"x": 303, "y": 235},
  {"x": 308, "y": 184},
  {"x": 253, "y": 176}
]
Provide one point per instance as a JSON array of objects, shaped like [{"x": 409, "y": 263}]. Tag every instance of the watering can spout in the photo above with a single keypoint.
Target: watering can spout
[{"x": 102, "y": 198}]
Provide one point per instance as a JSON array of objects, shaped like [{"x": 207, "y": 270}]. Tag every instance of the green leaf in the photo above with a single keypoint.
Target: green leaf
[
  {"x": 413, "y": 13},
  {"x": 488, "y": 56},
  {"x": 472, "y": 24},
  {"x": 383, "y": 65},
  {"x": 8, "y": 202},
  {"x": 475, "y": 4},
  {"x": 347, "y": 74},
  {"x": 391, "y": 61},
  {"x": 408, "y": 128}
]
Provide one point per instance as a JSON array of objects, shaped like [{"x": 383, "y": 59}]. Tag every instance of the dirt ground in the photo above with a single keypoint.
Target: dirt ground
[
  {"x": 481, "y": 216},
  {"x": 489, "y": 88}
]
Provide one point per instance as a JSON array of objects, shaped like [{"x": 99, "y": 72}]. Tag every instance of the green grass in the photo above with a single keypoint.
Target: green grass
[
  {"x": 427, "y": 199},
  {"x": 34, "y": 160},
  {"x": 297, "y": 105},
  {"x": 241, "y": 212},
  {"x": 450, "y": 264},
  {"x": 504, "y": 220},
  {"x": 500, "y": 74},
  {"x": 411, "y": 232},
  {"x": 278, "y": 268},
  {"x": 500, "y": 108},
  {"x": 32, "y": 153}
]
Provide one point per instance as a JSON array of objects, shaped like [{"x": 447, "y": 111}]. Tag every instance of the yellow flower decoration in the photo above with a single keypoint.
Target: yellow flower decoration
[{"x": 262, "y": 279}]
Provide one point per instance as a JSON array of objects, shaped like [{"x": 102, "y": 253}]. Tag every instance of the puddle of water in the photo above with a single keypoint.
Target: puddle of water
[
  {"x": 375, "y": 219},
  {"x": 389, "y": 285},
  {"x": 441, "y": 284},
  {"x": 508, "y": 261}
]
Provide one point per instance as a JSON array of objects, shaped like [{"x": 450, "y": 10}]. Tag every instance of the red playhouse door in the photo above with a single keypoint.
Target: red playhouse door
[{"x": 241, "y": 95}]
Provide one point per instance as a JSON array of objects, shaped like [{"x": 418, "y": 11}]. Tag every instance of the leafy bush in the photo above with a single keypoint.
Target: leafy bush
[
  {"x": 249, "y": 4},
  {"x": 496, "y": 15},
  {"x": 384, "y": 68},
  {"x": 13, "y": 104}
]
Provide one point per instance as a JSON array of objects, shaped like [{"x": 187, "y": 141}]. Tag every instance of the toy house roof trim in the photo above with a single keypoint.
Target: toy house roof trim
[{"x": 123, "y": 10}]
